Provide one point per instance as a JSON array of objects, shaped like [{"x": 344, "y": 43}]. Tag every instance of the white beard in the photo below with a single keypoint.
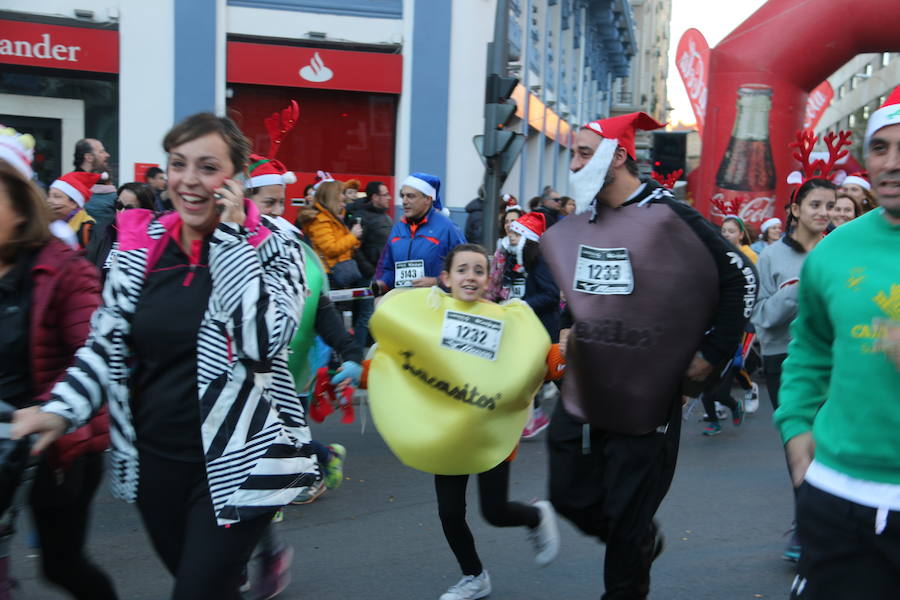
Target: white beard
[{"x": 586, "y": 183}]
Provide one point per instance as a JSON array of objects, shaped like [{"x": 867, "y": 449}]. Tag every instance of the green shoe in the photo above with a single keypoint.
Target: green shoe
[
  {"x": 712, "y": 428},
  {"x": 334, "y": 468}
]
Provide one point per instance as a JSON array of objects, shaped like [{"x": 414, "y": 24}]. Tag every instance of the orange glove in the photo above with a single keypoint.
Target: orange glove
[
  {"x": 364, "y": 378},
  {"x": 556, "y": 364}
]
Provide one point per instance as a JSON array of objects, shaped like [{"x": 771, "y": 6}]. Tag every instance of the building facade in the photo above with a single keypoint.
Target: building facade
[
  {"x": 645, "y": 87},
  {"x": 860, "y": 88},
  {"x": 385, "y": 87}
]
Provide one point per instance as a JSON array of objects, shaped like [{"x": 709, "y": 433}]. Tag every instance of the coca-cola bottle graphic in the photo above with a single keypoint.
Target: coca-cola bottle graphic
[{"x": 746, "y": 177}]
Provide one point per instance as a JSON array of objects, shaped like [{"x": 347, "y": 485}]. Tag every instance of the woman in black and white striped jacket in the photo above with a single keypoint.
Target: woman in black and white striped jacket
[{"x": 189, "y": 352}]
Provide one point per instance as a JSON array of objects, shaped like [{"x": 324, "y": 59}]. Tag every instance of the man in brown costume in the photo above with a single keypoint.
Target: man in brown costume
[{"x": 656, "y": 300}]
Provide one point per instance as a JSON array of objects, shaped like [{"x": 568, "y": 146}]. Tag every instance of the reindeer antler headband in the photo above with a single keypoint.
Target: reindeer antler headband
[
  {"x": 818, "y": 168},
  {"x": 278, "y": 124},
  {"x": 667, "y": 181},
  {"x": 729, "y": 207}
]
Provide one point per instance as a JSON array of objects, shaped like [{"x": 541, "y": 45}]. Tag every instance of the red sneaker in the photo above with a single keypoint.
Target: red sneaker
[{"x": 536, "y": 424}]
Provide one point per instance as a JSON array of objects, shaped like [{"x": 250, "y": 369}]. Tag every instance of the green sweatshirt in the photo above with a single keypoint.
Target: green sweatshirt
[{"x": 834, "y": 383}]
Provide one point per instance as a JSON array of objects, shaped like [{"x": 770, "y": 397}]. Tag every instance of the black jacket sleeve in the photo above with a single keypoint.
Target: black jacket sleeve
[
  {"x": 331, "y": 329},
  {"x": 541, "y": 292},
  {"x": 738, "y": 284}
]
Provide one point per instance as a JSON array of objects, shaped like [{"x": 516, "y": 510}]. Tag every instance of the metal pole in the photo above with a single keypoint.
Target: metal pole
[
  {"x": 542, "y": 140},
  {"x": 523, "y": 166},
  {"x": 497, "y": 60},
  {"x": 560, "y": 61}
]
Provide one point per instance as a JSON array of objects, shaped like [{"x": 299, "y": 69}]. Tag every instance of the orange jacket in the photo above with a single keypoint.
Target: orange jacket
[{"x": 330, "y": 237}]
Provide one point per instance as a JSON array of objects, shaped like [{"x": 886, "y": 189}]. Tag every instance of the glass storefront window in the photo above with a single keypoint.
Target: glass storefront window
[{"x": 100, "y": 95}]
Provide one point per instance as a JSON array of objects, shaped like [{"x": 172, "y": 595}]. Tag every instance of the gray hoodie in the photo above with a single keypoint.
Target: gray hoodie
[{"x": 776, "y": 306}]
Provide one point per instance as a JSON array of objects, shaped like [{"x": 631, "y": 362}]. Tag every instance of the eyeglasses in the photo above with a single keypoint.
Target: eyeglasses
[{"x": 120, "y": 206}]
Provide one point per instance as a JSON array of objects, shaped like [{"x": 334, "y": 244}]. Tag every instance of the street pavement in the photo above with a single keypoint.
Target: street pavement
[{"x": 378, "y": 535}]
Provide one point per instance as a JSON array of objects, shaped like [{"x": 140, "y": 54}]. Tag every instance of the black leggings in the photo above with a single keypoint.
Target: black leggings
[
  {"x": 493, "y": 490},
  {"x": 207, "y": 560},
  {"x": 722, "y": 394},
  {"x": 60, "y": 503},
  {"x": 772, "y": 370}
]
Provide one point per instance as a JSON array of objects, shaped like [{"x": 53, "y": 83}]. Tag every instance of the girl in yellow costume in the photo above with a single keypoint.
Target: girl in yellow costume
[{"x": 438, "y": 402}]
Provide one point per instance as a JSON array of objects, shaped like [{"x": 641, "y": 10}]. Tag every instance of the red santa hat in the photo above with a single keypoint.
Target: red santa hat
[
  {"x": 511, "y": 203},
  {"x": 268, "y": 171},
  {"x": 614, "y": 132},
  {"x": 77, "y": 185},
  {"x": 531, "y": 226},
  {"x": 622, "y": 129},
  {"x": 857, "y": 179},
  {"x": 888, "y": 114}
]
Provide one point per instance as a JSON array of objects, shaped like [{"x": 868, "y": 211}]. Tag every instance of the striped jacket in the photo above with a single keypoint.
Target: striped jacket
[{"x": 253, "y": 427}]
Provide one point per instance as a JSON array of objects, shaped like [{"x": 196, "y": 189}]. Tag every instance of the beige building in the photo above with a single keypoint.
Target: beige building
[
  {"x": 860, "y": 87},
  {"x": 645, "y": 87}
]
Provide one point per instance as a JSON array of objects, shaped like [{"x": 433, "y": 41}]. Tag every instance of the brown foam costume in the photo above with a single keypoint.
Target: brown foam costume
[{"x": 642, "y": 289}]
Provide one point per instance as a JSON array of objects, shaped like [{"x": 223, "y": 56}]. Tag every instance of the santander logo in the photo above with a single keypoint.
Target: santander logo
[{"x": 316, "y": 71}]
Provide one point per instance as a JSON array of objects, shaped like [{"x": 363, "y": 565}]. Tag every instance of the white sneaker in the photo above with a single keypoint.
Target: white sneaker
[
  {"x": 470, "y": 587},
  {"x": 751, "y": 399},
  {"x": 545, "y": 537},
  {"x": 721, "y": 414}
]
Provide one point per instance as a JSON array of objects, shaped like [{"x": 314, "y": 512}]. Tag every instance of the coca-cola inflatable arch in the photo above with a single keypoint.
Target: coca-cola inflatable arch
[{"x": 760, "y": 78}]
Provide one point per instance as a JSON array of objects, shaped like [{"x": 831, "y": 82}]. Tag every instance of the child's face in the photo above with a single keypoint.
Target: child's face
[{"x": 468, "y": 276}]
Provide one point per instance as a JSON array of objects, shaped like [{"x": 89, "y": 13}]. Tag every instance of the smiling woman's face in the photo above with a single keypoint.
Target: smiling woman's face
[{"x": 196, "y": 169}]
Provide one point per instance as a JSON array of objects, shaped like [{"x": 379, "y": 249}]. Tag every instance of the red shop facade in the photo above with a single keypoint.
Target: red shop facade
[{"x": 348, "y": 109}]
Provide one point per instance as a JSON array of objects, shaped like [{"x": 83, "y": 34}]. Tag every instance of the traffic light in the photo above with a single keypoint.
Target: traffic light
[
  {"x": 669, "y": 151},
  {"x": 499, "y": 110}
]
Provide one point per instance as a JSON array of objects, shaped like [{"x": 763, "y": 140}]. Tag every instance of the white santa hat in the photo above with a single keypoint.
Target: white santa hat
[
  {"x": 888, "y": 114},
  {"x": 17, "y": 149}
]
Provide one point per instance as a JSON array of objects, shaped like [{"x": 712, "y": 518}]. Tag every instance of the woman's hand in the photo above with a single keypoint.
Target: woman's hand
[
  {"x": 48, "y": 426},
  {"x": 230, "y": 201},
  {"x": 356, "y": 230}
]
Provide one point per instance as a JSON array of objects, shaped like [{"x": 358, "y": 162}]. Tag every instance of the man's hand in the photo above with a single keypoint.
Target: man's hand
[
  {"x": 49, "y": 426},
  {"x": 424, "y": 282},
  {"x": 800, "y": 451},
  {"x": 563, "y": 340},
  {"x": 890, "y": 341},
  {"x": 699, "y": 369}
]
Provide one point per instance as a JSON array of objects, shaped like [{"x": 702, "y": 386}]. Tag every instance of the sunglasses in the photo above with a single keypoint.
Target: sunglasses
[{"x": 120, "y": 206}]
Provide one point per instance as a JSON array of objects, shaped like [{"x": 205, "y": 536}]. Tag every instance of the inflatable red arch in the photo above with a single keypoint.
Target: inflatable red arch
[{"x": 760, "y": 77}]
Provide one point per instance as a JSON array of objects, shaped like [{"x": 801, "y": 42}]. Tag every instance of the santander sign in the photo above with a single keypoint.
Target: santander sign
[
  {"x": 43, "y": 49},
  {"x": 316, "y": 71},
  {"x": 59, "y": 46}
]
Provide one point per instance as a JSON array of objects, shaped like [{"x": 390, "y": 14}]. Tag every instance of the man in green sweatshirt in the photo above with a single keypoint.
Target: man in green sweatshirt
[{"x": 839, "y": 411}]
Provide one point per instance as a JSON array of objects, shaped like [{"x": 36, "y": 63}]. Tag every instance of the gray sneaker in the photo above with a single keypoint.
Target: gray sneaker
[{"x": 470, "y": 587}]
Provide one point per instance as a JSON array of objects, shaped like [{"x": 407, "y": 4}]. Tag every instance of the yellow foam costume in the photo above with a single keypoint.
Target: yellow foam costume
[{"x": 451, "y": 382}]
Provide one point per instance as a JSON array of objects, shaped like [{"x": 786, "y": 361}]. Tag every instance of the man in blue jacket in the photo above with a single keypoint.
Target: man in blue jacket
[{"x": 416, "y": 247}]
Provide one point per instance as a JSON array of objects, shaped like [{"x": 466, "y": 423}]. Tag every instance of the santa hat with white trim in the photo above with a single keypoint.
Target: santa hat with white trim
[
  {"x": 430, "y": 185},
  {"x": 17, "y": 149},
  {"x": 614, "y": 132},
  {"x": 857, "y": 179},
  {"x": 888, "y": 114},
  {"x": 77, "y": 185},
  {"x": 531, "y": 226},
  {"x": 268, "y": 171}
]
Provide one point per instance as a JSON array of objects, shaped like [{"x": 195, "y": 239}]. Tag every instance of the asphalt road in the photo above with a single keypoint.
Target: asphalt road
[{"x": 378, "y": 536}]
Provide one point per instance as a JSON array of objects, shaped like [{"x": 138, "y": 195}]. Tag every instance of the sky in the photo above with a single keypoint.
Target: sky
[{"x": 715, "y": 19}]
